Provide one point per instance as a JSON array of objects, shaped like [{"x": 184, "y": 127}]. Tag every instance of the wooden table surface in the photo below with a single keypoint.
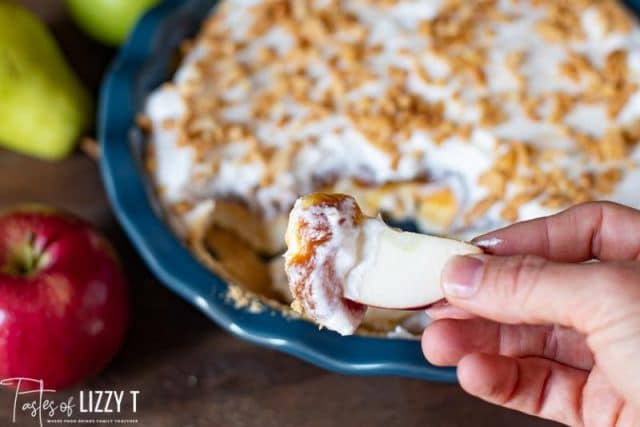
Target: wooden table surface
[{"x": 190, "y": 372}]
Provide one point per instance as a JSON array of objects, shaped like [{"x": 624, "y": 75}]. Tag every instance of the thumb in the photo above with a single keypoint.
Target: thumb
[
  {"x": 599, "y": 299},
  {"x": 531, "y": 289}
]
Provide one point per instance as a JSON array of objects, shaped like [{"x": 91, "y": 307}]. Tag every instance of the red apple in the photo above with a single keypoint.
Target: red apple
[{"x": 63, "y": 298}]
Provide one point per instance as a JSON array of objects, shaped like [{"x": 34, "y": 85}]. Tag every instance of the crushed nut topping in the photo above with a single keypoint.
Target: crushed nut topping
[{"x": 526, "y": 101}]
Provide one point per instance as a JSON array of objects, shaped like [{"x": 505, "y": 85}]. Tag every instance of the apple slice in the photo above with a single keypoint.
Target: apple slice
[{"x": 340, "y": 261}]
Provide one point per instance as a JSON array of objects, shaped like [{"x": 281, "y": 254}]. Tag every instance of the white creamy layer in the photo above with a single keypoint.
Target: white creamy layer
[
  {"x": 340, "y": 149},
  {"x": 318, "y": 282}
]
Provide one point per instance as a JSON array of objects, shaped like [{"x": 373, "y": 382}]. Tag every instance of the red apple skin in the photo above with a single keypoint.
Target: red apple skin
[
  {"x": 415, "y": 308},
  {"x": 420, "y": 306},
  {"x": 63, "y": 322}
]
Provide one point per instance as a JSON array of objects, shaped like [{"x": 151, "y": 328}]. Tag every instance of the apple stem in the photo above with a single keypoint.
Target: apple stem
[
  {"x": 25, "y": 259},
  {"x": 90, "y": 147}
]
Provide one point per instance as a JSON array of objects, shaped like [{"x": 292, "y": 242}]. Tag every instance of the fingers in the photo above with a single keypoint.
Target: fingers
[
  {"x": 601, "y": 230},
  {"x": 600, "y": 300},
  {"x": 446, "y": 342},
  {"x": 528, "y": 289},
  {"x": 616, "y": 345},
  {"x": 535, "y": 386},
  {"x": 602, "y": 404},
  {"x": 443, "y": 310},
  {"x": 546, "y": 389}
]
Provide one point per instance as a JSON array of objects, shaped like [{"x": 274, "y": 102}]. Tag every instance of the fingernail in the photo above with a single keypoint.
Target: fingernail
[
  {"x": 487, "y": 243},
  {"x": 461, "y": 276}
]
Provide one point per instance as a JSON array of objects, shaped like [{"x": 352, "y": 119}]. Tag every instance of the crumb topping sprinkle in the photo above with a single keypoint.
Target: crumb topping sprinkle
[{"x": 520, "y": 106}]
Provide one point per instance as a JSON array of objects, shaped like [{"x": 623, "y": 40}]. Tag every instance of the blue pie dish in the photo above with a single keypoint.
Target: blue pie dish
[{"x": 143, "y": 64}]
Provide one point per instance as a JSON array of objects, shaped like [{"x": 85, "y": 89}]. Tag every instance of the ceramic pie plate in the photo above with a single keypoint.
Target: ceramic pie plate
[{"x": 142, "y": 64}]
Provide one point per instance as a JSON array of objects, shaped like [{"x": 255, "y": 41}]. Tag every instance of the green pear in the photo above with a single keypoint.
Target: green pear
[
  {"x": 43, "y": 106},
  {"x": 109, "y": 21}
]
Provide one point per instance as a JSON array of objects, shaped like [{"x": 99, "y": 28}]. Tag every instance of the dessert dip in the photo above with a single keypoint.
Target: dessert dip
[{"x": 457, "y": 116}]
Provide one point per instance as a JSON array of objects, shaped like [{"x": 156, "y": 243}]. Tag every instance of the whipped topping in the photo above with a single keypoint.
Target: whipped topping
[
  {"x": 323, "y": 240},
  {"x": 295, "y": 147}
]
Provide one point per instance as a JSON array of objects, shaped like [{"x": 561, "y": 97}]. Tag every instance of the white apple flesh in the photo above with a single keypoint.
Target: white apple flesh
[{"x": 399, "y": 269}]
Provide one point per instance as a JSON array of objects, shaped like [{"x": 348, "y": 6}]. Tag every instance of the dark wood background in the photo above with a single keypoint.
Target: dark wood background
[{"x": 189, "y": 371}]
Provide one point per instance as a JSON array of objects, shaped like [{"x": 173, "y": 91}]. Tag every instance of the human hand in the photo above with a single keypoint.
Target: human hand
[{"x": 533, "y": 328}]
